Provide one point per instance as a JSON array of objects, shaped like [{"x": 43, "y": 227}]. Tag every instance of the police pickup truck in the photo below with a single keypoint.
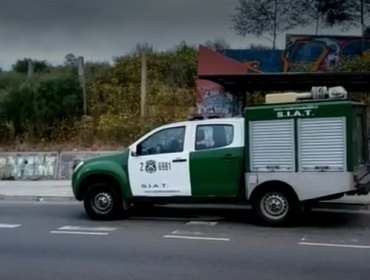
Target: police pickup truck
[{"x": 281, "y": 156}]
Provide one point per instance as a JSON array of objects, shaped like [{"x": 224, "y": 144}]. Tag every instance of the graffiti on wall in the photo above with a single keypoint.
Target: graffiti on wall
[
  {"x": 322, "y": 53},
  {"x": 42, "y": 166},
  {"x": 302, "y": 53},
  {"x": 213, "y": 99},
  {"x": 258, "y": 61},
  {"x": 28, "y": 166}
]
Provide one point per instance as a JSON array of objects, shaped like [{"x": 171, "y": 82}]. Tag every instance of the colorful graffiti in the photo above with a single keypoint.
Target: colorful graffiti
[
  {"x": 302, "y": 53},
  {"x": 213, "y": 99},
  {"x": 321, "y": 53},
  {"x": 258, "y": 61}
]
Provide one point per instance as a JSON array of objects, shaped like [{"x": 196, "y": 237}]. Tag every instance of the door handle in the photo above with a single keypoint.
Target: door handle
[
  {"x": 229, "y": 156},
  {"x": 179, "y": 160}
]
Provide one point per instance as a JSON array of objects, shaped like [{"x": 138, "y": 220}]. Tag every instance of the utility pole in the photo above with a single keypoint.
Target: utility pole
[
  {"x": 30, "y": 70},
  {"x": 275, "y": 24},
  {"x": 362, "y": 22},
  {"x": 81, "y": 75},
  {"x": 143, "y": 85}
]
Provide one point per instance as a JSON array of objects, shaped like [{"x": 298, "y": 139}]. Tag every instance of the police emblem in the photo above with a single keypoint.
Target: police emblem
[{"x": 150, "y": 166}]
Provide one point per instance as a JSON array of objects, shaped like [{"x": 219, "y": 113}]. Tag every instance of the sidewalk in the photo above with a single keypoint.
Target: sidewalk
[
  {"x": 61, "y": 190},
  {"x": 56, "y": 190}
]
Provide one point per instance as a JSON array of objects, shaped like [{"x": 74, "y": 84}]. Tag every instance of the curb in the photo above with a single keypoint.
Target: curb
[
  {"x": 38, "y": 198},
  {"x": 343, "y": 204}
]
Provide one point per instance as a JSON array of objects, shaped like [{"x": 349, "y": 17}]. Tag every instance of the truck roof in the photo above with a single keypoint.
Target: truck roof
[
  {"x": 207, "y": 121},
  {"x": 307, "y": 102}
]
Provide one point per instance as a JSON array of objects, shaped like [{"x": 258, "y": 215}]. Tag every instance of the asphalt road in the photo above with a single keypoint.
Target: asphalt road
[{"x": 41, "y": 240}]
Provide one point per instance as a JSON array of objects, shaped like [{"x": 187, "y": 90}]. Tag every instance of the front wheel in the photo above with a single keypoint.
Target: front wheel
[
  {"x": 102, "y": 202},
  {"x": 275, "y": 207}
]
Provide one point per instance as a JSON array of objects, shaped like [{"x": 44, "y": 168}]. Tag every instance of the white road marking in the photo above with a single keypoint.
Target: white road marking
[
  {"x": 78, "y": 232},
  {"x": 181, "y": 232},
  {"x": 9, "y": 226},
  {"x": 303, "y": 238},
  {"x": 335, "y": 245},
  {"x": 87, "y": 228},
  {"x": 196, "y": 237},
  {"x": 201, "y": 223}
]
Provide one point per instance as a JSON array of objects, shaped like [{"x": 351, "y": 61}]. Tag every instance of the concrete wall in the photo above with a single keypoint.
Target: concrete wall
[
  {"x": 40, "y": 165},
  {"x": 66, "y": 160}
]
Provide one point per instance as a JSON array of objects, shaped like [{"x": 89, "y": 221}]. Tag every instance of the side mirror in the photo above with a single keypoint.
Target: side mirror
[{"x": 137, "y": 151}]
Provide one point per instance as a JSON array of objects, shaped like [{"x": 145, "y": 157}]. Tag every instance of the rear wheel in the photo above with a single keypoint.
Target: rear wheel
[
  {"x": 275, "y": 207},
  {"x": 103, "y": 202}
]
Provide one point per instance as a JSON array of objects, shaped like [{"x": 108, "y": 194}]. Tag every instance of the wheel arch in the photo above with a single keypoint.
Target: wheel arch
[
  {"x": 96, "y": 178},
  {"x": 273, "y": 185},
  {"x": 283, "y": 217}
]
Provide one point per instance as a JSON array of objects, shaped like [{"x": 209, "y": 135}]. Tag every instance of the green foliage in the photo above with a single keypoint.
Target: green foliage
[
  {"x": 32, "y": 111},
  {"x": 21, "y": 66},
  {"x": 217, "y": 44},
  {"x": 356, "y": 63},
  {"x": 114, "y": 93}
]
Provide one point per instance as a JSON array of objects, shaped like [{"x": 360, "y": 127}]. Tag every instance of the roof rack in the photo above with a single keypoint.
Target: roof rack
[{"x": 316, "y": 93}]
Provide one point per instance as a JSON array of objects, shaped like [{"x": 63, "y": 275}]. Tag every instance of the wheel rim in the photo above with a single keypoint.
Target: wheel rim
[
  {"x": 274, "y": 206},
  {"x": 102, "y": 203}
]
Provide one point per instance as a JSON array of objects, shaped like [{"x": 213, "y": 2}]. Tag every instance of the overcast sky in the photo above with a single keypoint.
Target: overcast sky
[{"x": 101, "y": 29}]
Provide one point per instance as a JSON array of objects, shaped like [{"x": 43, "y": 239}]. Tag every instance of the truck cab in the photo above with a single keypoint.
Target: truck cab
[
  {"x": 189, "y": 161},
  {"x": 193, "y": 159}
]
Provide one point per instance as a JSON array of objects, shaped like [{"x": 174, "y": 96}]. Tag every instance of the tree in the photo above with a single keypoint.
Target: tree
[
  {"x": 21, "y": 65},
  {"x": 366, "y": 33},
  {"x": 266, "y": 18},
  {"x": 259, "y": 47},
  {"x": 346, "y": 13},
  {"x": 70, "y": 60},
  {"x": 318, "y": 10},
  {"x": 142, "y": 48},
  {"x": 218, "y": 44}
]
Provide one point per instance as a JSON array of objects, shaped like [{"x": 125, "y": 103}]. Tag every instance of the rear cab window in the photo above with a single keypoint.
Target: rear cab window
[{"x": 213, "y": 136}]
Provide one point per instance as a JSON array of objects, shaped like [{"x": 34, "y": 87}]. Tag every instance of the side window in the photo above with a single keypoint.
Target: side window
[
  {"x": 170, "y": 140},
  {"x": 213, "y": 136}
]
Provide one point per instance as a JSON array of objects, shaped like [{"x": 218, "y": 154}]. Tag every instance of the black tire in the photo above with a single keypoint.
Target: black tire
[
  {"x": 103, "y": 202},
  {"x": 308, "y": 206},
  {"x": 275, "y": 207}
]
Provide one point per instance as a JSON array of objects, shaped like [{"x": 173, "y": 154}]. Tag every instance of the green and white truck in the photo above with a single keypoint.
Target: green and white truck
[{"x": 282, "y": 156}]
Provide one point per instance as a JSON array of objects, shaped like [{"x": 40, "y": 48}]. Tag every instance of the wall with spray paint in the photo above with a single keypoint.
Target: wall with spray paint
[
  {"x": 28, "y": 165},
  {"x": 323, "y": 53},
  {"x": 302, "y": 53},
  {"x": 41, "y": 166},
  {"x": 213, "y": 99}
]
